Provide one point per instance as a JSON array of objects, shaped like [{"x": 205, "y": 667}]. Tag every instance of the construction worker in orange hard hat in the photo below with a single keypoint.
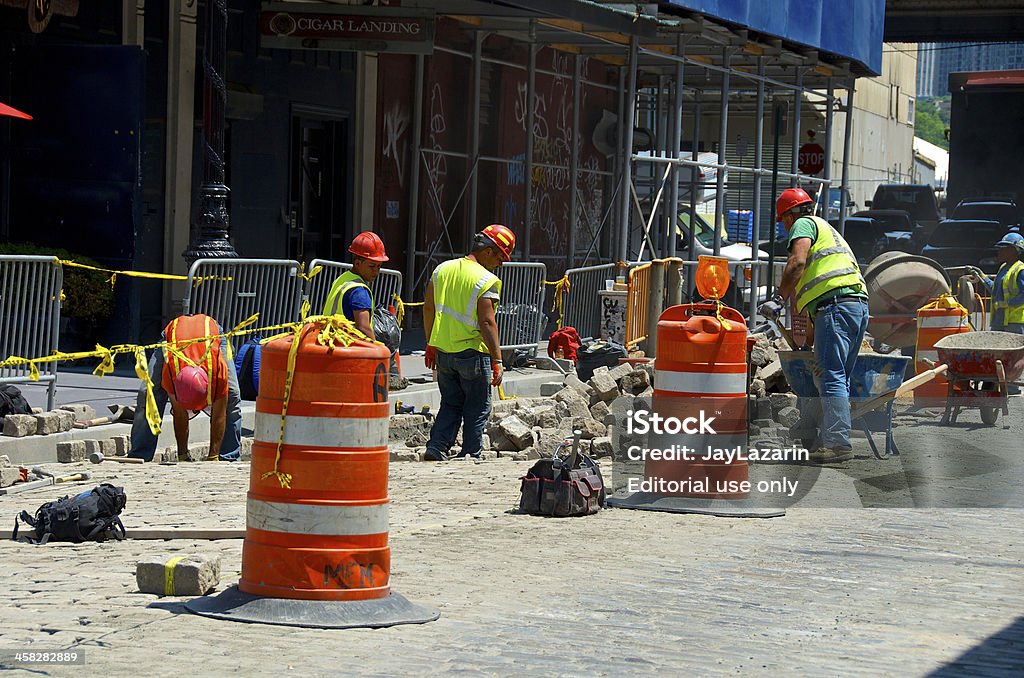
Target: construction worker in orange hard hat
[
  {"x": 822, "y": 276},
  {"x": 462, "y": 340},
  {"x": 350, "y": 293}
]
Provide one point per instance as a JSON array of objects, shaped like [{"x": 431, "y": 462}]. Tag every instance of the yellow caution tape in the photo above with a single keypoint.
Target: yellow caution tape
[
  {"x": 558, "y": 303},
  {"x": 169, "y": 574}
]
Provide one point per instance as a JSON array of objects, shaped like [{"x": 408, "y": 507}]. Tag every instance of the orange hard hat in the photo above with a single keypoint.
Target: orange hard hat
[
  {"x": 503, "y": 237},
  {"x": 368, "y": 245},
  {"x": 790, "y": 198}
]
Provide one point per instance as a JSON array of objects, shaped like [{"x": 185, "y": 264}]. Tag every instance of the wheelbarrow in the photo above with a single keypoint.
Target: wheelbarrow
[
  {"x": 876, "y": 382},
  {"x": 982, "y": 365}
]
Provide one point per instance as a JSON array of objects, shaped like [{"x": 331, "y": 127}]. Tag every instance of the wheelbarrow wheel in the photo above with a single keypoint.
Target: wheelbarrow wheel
[{"x": 989, "y": 415}]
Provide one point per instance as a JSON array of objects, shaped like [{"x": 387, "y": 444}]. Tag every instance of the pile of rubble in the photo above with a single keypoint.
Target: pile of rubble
[{"x": 530, "y": 428}]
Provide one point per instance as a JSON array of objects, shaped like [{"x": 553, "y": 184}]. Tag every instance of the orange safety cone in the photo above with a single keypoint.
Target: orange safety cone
[
  {"x": 316, "y": 547},
  {"x": 700, "y": 374}
]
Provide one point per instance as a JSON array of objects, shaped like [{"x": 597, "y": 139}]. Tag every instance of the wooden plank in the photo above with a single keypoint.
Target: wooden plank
[
  {"x": 865, "y": 406},
  {"x": 166, "y": 533}
]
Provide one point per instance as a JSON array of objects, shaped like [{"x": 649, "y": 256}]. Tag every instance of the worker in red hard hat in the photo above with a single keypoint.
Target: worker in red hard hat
[
  {"x": 462, "y": 340},
  {"x": 195, "y": 375},
  {"x": 823, "y": 278},
  {"x": 350, "y": 293}
]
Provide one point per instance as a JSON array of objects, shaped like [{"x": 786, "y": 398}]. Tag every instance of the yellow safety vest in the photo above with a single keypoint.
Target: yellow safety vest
[
  {"x": 830, "y": 265},
  {"x": 458, "y": 284},
  {"x": 1011, "y": 314},
  {"x": 344, "y": 283}
]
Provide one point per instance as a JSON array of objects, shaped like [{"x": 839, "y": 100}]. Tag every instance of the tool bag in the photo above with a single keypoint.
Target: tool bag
[
  {"x": 569, "y": 486},
  {"x": 89, "y": 516}
]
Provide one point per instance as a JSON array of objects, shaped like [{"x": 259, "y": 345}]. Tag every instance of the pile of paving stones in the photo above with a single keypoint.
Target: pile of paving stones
[
  {"x": 530, "y": 428},
  {"x": 44, "y": 423}
]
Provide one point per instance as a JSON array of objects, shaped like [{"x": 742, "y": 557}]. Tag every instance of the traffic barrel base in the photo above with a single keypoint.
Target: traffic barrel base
[
  {"x": 723, "y": 508},
  {"x": 235, "y": 605}
]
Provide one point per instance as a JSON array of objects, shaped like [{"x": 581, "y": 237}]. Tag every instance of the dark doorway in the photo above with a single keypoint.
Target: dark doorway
[{"x": 318, "y": 194}]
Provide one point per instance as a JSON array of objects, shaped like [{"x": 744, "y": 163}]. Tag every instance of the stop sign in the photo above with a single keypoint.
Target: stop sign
[{"x": 811, "y": 159}]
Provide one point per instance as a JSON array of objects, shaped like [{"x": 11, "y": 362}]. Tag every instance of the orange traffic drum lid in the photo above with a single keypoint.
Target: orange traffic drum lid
[{"x": 712, "y": 276}]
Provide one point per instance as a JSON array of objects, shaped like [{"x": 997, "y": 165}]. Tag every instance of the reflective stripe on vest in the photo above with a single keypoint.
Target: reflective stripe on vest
[
  {"x": 830, "y": 265},
  {"x": 458, "y": 284},
  {"x": 176, "y": 361},
  {"x": 345, "y": 283},
  {"x": 1011, "y": 314}
]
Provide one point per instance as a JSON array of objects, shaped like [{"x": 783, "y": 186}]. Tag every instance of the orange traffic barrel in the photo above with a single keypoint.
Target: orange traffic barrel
[
  {"x": 700, "y": 382},
  {"x": 316, "y": 538},
  {"x": 939, "y": 318}
]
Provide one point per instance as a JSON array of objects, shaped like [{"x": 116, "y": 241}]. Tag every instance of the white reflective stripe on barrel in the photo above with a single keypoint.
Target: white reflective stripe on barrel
[
  {"x": 709, "y": 383},
  {"x": 937, "y": 321},
  {"x": 928, "y": 355},
  {"x": 316, "y": 518},
  {"x": 322, "y": 431}
]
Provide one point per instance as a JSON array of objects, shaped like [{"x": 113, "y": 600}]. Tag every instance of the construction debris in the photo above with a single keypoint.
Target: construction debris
[{"x": 188, "y": 576}]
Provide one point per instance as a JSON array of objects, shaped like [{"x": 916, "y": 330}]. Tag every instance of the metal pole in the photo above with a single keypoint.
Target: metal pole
[
  {"x": 846, "y": 154},
  {"x": 209, "y": 234},
  {"x": 474, "y": 138},
  {"x": 655, "y": 301},
  {"x": 674, "y": 282},
  {"x": 531, "y": 82},
  {"x": 621, "y": 191},
  {"x": 414, "y": 180},
  {"x": 627, "y": 148},
  {"x": 574, "y": 162},
  {"x": 723, "y": 131},
  {"x": 827, "y": 174},
  {"x": 662, "y": 137},
  {"x": 777, "y": 110},
  {"x": 755, "y": 236},
  {"x": 691, "y": 240},
  {"x": 677, "y": 136},
  {"x": 798, "y": 100}
]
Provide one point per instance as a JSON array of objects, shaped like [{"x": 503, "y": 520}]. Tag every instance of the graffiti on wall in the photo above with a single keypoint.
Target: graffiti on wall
[
  {"x": 396, "y": 122},
  {"x": 436, "y": 164}
]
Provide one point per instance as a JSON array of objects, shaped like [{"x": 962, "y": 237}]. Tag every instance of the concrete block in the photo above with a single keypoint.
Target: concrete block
[
  {"x": 401, "y": 427},
  {"x": 93, "y": 447},
  {"x": 108, "y": 447},
  {"x": 37, "y": 410},
  {"x": 499, "y": 441},
  {"x": 4, "y": 460},
  {"x": 71, "y": 451},
  {"x": 545, "y": 416},
  {"x": 551, "y": 388},
  {"x": 488, "y": 455},
  {"x": 788, "y": 416},
  {"x": 577, "y": 403},
  {"x": 589, "y": 428},
  {"x": 500, "y": 408},
  {"x": 757, "y": 388},
  {"x": 245, "y": 452},
  {"x": 516, "y": 430},
  {"x": 65, "y": 420},
  {"x": 763, "y": 423},
  {"x": 780, "y": 401},
  {"x": 604, "y": 386},
  {"x": 404, "y": 455},
  {"x": 417, "y": 439},
  {"x": 122, "y": 445},
  {"x": 599, "y": 411},
  {"x": 636, "y": 381},
  {"x": 193, "y": 576},
  {"x": 47, "y": 423},
  {"x": 763, "y": 353},
  {"x": 573, "y": 382},
  {"x": 166, "y": 455},
  {"x": 20, "y": 425},
  {"x": 81, "y": 411},
  {"x": 9, "y": 475},
  {"x": 619, "y": 371},
  {"x": 198, "y": 452},
  {"x": 532, "y": 454},
  {"x": 601, "y": 447},
  {"x": 772, "y": 376},
  {"x": 550, "y": 439},
  {"x": 764, "y": 409}
]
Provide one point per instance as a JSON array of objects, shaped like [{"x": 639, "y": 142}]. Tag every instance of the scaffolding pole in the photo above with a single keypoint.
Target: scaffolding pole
[
  {"x": 531, "y": 92},
  {"x": 414, "y": 180},
  {"x": 574, "y": 162},
  {"x": 474, "y": 138},
  {"x": 723, "y": 132},
  {"x": 846, "y": 154},
  {"x": 627, "y": 148},
  {"x": 755, "y": 236},
  {"x": 798, "y": 100},
  {"x": 677, "y": 137}
]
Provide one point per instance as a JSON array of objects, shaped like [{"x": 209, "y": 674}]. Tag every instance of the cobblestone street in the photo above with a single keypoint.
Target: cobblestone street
[{"x": 817, "y": 592}]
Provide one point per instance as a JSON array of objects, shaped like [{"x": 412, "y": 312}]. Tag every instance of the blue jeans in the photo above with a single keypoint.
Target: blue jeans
[
  {"x": 464, "y": 380},
  {"x": 839, "y": 329},
  {"x": 143, "y": 440}
]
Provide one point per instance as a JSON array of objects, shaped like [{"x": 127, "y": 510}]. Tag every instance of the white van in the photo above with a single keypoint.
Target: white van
[{"x": 704, "y": 244}]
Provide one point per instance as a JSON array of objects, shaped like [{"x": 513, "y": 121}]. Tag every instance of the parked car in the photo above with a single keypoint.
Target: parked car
[
  {"x": 918, "y": 200},
  {"x": 988, "y": 209},
  {"x": 965, "y": 243},
  {"x": 835, "y": 204},
  {"x": 866, "y": 237},
  {"x": 905, "y": 234}
]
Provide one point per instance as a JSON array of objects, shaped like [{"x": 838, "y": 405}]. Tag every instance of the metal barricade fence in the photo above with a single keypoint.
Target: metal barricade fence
[
  {"x": 30, "y": 289},
  {"x": 636, "y": 304},
  {"x": 520, "y": 312},
  {"x": 384, "y": 288},
  {"x": 581, "y": 306},
  {"x": 231, "y": 290}
]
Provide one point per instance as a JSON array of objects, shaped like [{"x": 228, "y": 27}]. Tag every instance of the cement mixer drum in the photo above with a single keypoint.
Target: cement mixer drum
[{"x": 898, "y": 285}]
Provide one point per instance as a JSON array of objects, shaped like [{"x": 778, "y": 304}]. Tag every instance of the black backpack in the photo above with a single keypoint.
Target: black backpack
[
  {"x": 12, "y": 402},
  {"x": 90, "y": 516}
]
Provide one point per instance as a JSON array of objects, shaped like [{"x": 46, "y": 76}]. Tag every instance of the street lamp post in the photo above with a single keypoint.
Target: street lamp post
[{"x": 209, "y": 233}]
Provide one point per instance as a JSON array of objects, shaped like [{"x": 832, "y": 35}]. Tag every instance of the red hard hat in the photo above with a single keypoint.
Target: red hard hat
[
  {"x": 368, "y": 245},
  {"x": 790, "y": 198},
  {"x": 190, "y": 387},
  {"x": 503, "y": 237}
]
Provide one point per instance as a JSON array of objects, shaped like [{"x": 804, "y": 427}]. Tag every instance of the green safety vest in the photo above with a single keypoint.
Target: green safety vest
[
  {"x": 458, "y": 284},
  {"x": 1011, "y": 314},
  {"x": 830, "y": 265},
  {"x": 344, "y": 283}
]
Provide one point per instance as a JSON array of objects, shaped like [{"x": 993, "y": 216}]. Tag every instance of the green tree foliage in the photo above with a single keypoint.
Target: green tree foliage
[{"x": 930, "y": 122}]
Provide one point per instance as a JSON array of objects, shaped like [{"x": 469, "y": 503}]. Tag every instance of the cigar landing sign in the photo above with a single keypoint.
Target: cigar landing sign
[{"x": 288, "y": 25}]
